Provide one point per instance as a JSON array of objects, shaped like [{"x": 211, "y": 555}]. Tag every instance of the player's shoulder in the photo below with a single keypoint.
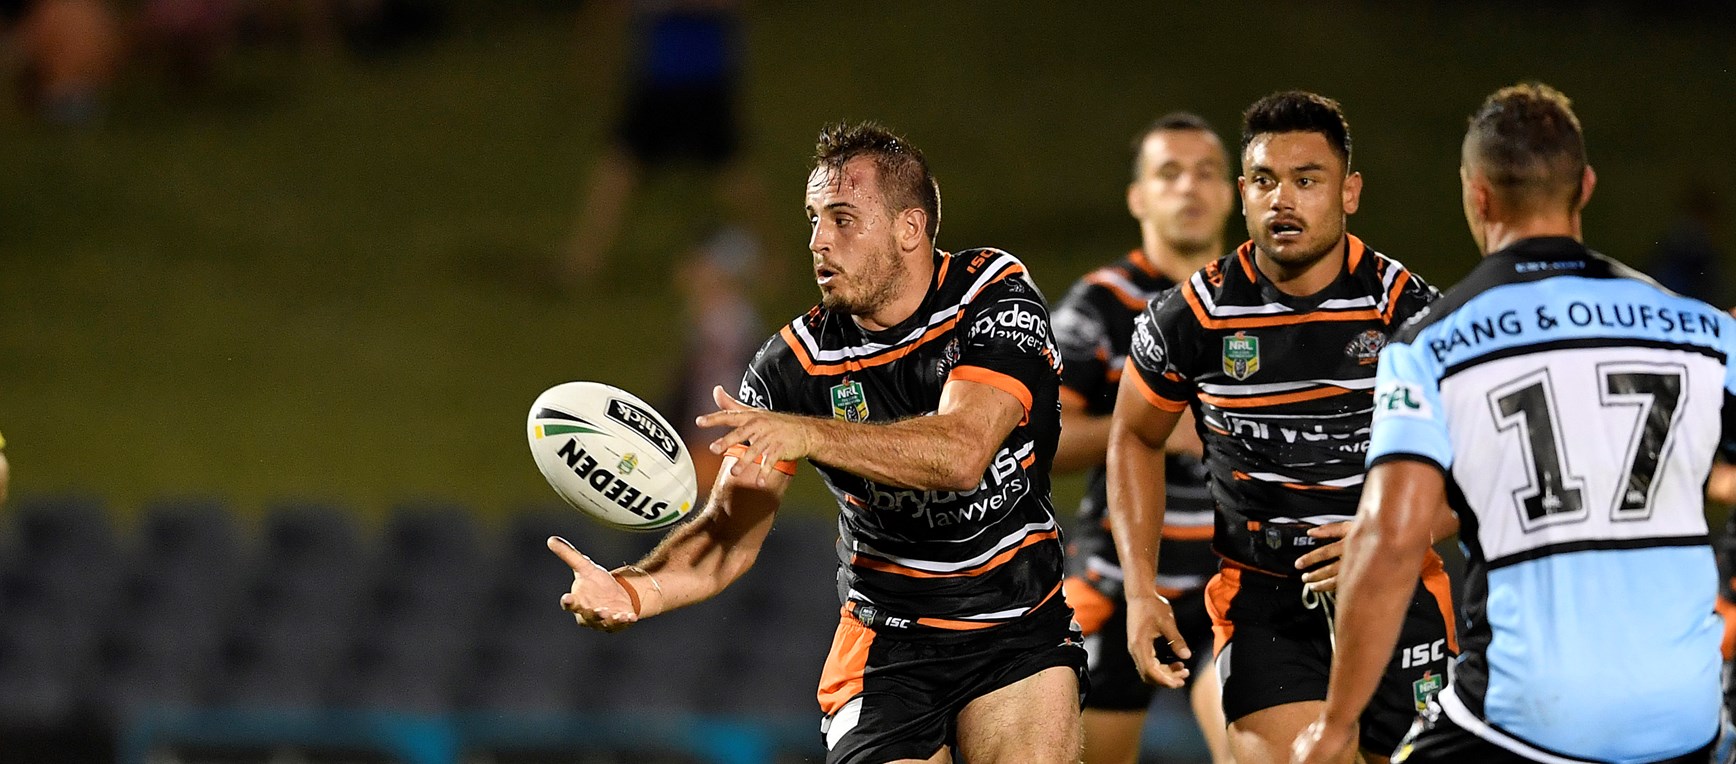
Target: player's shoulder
[
  {"x": 1125, "y": 285},
  {"x": 984, "y": 272}
]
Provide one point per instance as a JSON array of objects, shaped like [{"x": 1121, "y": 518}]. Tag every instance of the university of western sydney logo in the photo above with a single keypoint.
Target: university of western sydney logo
[
  {"x": 1241, "y": 355},
  {"x": 849, "y": 403}
]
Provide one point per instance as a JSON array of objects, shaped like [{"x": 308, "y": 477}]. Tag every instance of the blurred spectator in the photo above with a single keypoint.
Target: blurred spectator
[
  {"x": 1688, "y": 260},
  {"x": 723, "y": 331},
  {"x": 682, "y": 90},
  {"x": 5, "y": 471},
  {"x": 68, "y": 51}
]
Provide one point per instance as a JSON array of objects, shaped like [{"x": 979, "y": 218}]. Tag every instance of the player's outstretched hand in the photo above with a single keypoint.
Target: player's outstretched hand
[
  {"x": 769, "y": 437},
  {"x": 596, "y": 600},
  {"x": 1320, "y": 744},
  {"x": 1150, "y": 620},
  {"x": 1324, "y": 578}
]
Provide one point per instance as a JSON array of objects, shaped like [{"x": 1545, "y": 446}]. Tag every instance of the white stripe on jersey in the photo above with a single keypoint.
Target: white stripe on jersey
[
  {"x": 1379, "y": 303},
  {"x": 1008, "y": 541},
  {"x": 994, "y": 268},
  {"x": 1282, "y": 387},
  {"x": 1273, "y": 477},
  {"x": 1463, "y": 717}
]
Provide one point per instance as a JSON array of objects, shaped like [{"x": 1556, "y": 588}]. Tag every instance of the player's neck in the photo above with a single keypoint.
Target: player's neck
[
  {"x": 909, "y": 296},
  {"x": 1307, "y": 279},
  {"x": 1501, "y": 234},
  {"x": 1174, "y": 264}
]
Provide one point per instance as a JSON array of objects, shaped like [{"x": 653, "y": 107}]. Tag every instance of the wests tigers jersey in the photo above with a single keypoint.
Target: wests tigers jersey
[
  {"x": 1282, "y": 387},
  {"x": 1094, "y": 329},
  {"x": 925, "y": 561}
]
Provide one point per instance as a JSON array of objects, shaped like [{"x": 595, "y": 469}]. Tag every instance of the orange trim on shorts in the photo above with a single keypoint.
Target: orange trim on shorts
[
  {"x": 997, "y": 380},
  {"x": 1187, "y": 532},
  {"x": 945, "y": 623},
  {"x": 737, "y": 450},
  {"x": 1150, "y": 395},
  {"x": 846, "y": 664},
  {"x": 1220, "y": 592},
  {"x": 1434, "y": 576},
  {"x": 1091, "y": 608}
]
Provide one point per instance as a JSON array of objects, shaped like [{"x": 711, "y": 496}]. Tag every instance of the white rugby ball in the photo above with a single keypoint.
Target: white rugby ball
[{"x": 611, "y": 456}]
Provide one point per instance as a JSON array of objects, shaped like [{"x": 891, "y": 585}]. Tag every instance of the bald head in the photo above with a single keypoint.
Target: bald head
[{"x": 1526, "y": 143}]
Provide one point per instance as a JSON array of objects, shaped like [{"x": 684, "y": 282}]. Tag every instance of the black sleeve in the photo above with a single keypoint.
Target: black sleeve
[{"x": 1082, "y": 335}]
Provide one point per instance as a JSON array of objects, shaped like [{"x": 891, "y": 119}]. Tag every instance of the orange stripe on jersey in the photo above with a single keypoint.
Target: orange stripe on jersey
[
  {"x": 997, "y": 380},
  {"x": 1309, "y": 487},
  {"x": 945, "y": 623},
  {"x": 856, "y": 364},
  {"x": 1150, "y": 395},
  {"x": 1140, "y": 261},
  {"x": 738, "y": 450},
  {"x": 846, "y": 664},
  {"x": 1434, "y": 577},
  {"x": 1273, "y": 400},
  {"x": 1091, "y": 608},
  {"x": 1245, "y": 254},
  {"x": 1131, "y": 301},
  {"x": 1187, "y": 532},
  {"x": 1004, "y": 274},
  {"x": 1392, "y": 295},
  {"x": 994, "y": 562},
  {"x": 945, "y": 262},
  {"x": 1353, "y": 253},
  {"x": 1282, "y": 319}
]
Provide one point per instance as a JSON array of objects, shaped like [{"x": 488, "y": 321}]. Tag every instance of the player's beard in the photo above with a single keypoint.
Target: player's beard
[{"x": 868, "y": 288}]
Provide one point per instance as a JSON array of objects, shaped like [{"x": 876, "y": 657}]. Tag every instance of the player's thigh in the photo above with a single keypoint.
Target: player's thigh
[
  {"x": 1112, "y": 737},
  {"x": 1267, "y": 734},
  {"x": 1034, "y": 720}
]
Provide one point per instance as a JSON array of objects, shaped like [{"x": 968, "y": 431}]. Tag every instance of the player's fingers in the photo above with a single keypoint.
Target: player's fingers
[
  {"x": 1336, "y": 530},
  {"x": 1325, "y": 553},
  {"x": 1169, "y": 632},
  {"x": 570, "y": 555},
  {"x": 726, "y": 402},
  {"x": 718, "y": 419},
  {"x": 734, "y": 437}
]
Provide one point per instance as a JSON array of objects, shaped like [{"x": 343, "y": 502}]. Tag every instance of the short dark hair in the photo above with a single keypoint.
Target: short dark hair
[
  {"x": 1527, "y": 141},
  {"x": 1298, "y": 111},
  {"x": 1175, "y": 121},
  {"x": 905, "y": 180}
]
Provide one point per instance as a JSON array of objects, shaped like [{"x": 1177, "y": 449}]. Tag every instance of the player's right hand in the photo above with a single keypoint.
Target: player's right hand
[
  {"x": 596, "y": 599},
  {"x": 1150, "y": 619}
]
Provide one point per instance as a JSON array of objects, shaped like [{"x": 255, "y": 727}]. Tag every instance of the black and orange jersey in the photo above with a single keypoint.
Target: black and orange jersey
[
  {"x": 1094, "y": 330},
  {"x": 924, "y": 561},
  {"x": 1282, "y": 387}
]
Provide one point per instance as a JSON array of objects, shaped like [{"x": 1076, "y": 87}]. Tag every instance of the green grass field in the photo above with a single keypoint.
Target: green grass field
[{"x": 323, "y": 280}]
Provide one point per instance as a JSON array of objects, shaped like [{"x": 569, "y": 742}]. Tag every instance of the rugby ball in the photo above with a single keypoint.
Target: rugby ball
[{"x": 611, "y": 456}]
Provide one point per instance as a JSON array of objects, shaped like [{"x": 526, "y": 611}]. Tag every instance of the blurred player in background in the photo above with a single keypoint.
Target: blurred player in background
[
  {"x": 5, "y": 471},
  {"x": 1181, "y": 196},
  {"x": 924, "y": 389},
  {"x": 682, "y": 107},
  {"x": 1273, "y": 347},
  {"x": 723, "y": 332},
  {"x": 1568, "y": 409}
]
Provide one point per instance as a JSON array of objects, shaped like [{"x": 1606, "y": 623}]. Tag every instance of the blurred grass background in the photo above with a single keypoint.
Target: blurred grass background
[{"x": 328, "y": 279}]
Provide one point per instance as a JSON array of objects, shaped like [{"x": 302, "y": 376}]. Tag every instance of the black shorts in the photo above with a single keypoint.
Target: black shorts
[
  {"x": 1437, "y": 739},
  {"x": 1115, "y": 682},
  {"x": 696, "y": 122},
  {"x": 887, "y": 698},
  {"x": 1272, "y": 649}
]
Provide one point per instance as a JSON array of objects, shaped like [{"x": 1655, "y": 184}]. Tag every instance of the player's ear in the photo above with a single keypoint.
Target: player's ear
[
  {"x": 1352, "y": 193},
  {"x": 1587, "y": 182},
  {"x": 912, "y": 226},
  {"x": 1135, "y": 206}
]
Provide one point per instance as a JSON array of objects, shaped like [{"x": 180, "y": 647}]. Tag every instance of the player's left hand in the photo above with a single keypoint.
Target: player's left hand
[
  {"x": 768, "y": 436},
  {"x": 1324, "y": 578},
  {"x": 1322, "y": 744}
]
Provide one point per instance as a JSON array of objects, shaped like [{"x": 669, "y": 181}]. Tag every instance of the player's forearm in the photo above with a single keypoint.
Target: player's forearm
[
  {"x": 943, "y": 452},
  {"x": 703, "y": 557},
  {"x": 1136, "y": 508},
  {"x": 1084, "y": 441}
]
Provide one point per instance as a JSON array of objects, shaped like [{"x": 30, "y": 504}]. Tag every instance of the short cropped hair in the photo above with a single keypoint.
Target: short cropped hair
[
  {"x": 1527, "y": 141},
  {"x": 1175, "y": 121},
  {"x": 1298, "y": 111},
  {"x": 905, "y": 180}
]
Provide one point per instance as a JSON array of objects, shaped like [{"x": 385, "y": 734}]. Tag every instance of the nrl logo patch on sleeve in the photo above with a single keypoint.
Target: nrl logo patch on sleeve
[{"x": 1401, "y": 399}]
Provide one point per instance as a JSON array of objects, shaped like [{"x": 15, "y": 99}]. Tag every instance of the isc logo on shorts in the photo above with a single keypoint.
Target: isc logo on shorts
[{"x": 1417, "y": 656}]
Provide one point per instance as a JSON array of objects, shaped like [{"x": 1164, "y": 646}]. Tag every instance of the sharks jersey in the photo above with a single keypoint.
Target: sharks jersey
[
  {"x": 1574, "y": 407},
  {"x": 925, "y": 562}
]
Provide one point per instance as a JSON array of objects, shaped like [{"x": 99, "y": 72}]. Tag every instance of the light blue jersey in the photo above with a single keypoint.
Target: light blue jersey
[{"x": 1575, "y": 408}]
